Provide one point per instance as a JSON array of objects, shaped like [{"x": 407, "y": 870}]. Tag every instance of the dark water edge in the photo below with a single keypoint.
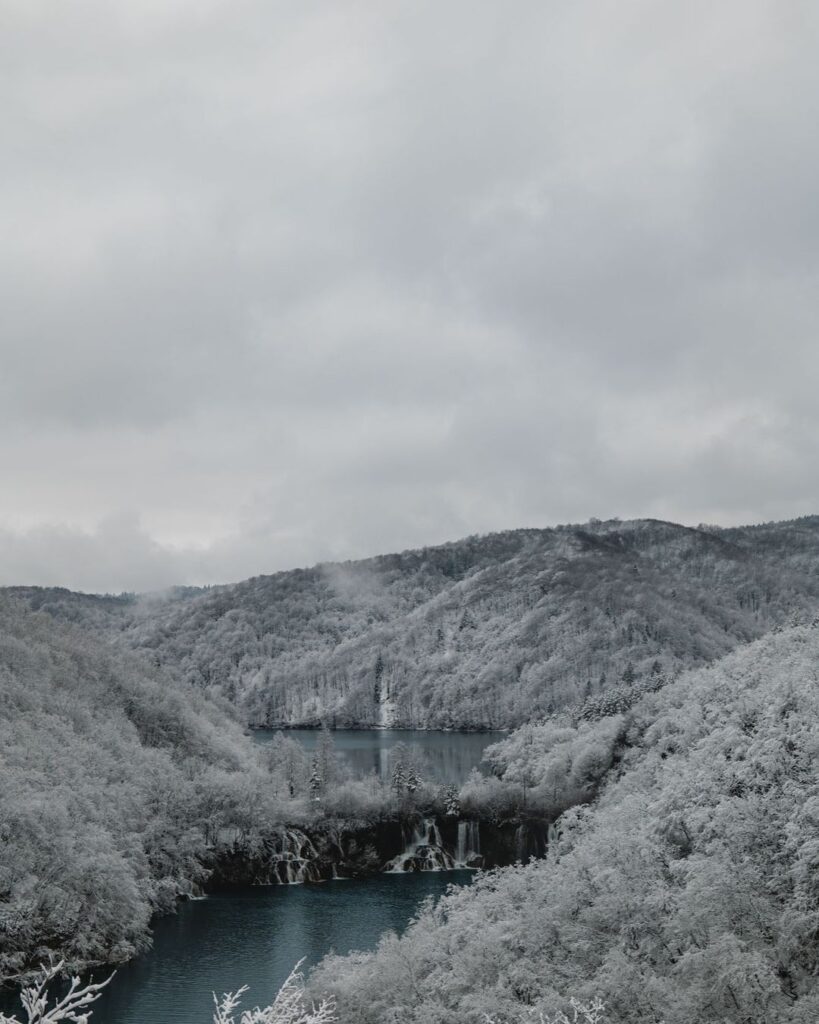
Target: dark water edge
[{"x": 254, "y": 936}]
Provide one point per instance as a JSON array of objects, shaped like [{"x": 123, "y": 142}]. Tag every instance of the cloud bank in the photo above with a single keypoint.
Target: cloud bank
[{"x": 281, "y": 283}]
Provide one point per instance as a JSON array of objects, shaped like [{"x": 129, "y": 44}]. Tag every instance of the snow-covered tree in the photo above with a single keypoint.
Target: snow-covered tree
[
  {"x": 316, "y": 783},
  {"x": 579, "y": 1013},
  {"x": 452, "y": 803},
  {"x": 289, "y": 1007},
  {"x": 71, "y": 1007},
  {"x": 398, "y": 777}
]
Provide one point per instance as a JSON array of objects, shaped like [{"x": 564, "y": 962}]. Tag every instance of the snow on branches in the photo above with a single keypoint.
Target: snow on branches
[
  {"x": 70, "y": 1008},
  {"x": 288, "y": 1007},
  {"x": 581, "y": 1013}
]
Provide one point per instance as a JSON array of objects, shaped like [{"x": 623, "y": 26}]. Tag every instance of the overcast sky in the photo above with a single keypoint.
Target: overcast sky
[{"x": 284, "y": 282}]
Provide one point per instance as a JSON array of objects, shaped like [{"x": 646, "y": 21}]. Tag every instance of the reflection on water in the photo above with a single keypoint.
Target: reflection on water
[{"x": 448, "y": 756}]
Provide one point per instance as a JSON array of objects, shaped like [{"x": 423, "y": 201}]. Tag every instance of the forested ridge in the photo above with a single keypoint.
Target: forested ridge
[
  {"x": 490, "y": 631},
  {"x": 486, "y": 632}
]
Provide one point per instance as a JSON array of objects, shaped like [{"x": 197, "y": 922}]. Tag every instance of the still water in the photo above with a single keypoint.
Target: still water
[
  {"x": 448, "y": 756},
  {"x": 255, "y": 937}
]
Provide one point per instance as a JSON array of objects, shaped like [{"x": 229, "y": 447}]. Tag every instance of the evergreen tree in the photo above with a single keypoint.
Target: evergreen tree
[
  {"x": 327, "y": 758},
  {"x": 399, "y": 779},
  {"x": 452, "y": 802},
  {"x": 378, "y": 672},
  {"x": 316, "y": 780}
]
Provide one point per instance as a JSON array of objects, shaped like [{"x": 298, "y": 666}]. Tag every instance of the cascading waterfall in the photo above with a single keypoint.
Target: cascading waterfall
[
  {"x": 293, "y": 859},
  {"x": 424, "y": 851},
  {"x": 468, "y": 850},
  {"x": 520, "y": 844},
  {"x": 531, "y": 841}
]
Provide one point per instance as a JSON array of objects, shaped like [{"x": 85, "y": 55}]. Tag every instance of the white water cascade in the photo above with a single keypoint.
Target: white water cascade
[
  {"x": 293, "y": 859},
  {"x": 521, "y": 844},
  {"x": 468, "y": 850},
  {"x": 424, "y": 851}
]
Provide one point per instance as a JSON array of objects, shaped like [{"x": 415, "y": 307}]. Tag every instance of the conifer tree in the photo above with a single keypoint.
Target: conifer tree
[{"x": 316, "y": 780}]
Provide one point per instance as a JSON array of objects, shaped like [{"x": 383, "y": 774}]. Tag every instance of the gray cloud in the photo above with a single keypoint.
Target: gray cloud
[{"x": 281, "y": 284}]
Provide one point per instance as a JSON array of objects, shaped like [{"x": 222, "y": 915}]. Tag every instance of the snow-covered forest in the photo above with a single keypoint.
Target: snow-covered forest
[
  {"x": 112, "y": 785},
  {"x": 488, "y": 632},
  {"x": 383, "y": 389},
  {"x": 122, "y": 789},
  {"x": 664, "y": 686},
  {"x": 688, "y": 891}
]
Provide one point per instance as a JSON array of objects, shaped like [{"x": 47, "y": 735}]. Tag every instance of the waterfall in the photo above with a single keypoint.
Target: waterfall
[
  {"x": 433, "y": 833},
  {"x": 424, "y": 851},
  {"x": 386, "y": 709},
  {"x": 468, "y": 850},
  {"x": 293, "y": 859},
  {"x": 520, "y": 844}
]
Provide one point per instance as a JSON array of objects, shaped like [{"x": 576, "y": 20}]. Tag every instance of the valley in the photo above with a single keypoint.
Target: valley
[{"x": 559, "y": 701}]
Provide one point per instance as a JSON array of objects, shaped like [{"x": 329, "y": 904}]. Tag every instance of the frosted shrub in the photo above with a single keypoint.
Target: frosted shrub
[
  {"x": 581, "y": 1013},
  {"x": 70, "y": 1008},
  {"x": 288, "y": 1007}
]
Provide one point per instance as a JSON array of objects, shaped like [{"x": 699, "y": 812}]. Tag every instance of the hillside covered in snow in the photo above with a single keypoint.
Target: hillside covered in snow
[
  {"x": 686, "y": 890},
  {"x": 486, "y": 632},
  {"x": 114, "y": 782}
]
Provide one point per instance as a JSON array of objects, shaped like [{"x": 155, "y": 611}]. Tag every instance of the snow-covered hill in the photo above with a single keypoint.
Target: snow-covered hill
[
  {"x": 688, "y": 891},
  {"x": 113, "y": 778},
  {"x": 489, "y": 631}
]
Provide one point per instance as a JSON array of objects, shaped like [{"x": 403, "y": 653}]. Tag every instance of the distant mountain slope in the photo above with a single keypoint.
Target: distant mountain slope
[
  {"x": 687, "y": 892},
  {"x": 488, "y": 631}
]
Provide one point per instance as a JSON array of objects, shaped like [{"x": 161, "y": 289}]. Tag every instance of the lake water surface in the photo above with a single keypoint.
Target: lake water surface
[
  {"x": 254, "y": 936},
  {"x": 449, "y": 756}
]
